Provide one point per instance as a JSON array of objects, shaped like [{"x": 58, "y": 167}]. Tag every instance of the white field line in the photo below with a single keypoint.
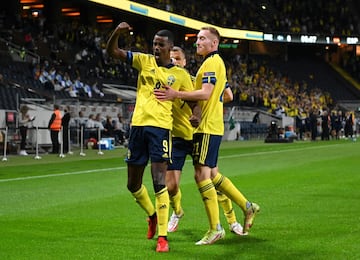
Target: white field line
[
  {"x": 123, "y": 168},
  {"x": 62, "y": 174}
]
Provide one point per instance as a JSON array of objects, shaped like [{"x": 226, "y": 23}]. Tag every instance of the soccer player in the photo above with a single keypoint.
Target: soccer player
[
  {"x": 151, "y": 124},
  {"x": 209, "y": 90},
  {"x": 182, "y": 146}
]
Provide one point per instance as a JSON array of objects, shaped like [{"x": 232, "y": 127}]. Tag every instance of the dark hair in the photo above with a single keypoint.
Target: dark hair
[
  {"x": 177, "y": 48},
  {"x": 166, "y": 33},
  {"x": 24, "y": 109}
]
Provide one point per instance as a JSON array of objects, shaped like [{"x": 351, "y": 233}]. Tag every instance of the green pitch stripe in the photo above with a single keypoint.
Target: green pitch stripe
[{"x": 123, "y": 168}]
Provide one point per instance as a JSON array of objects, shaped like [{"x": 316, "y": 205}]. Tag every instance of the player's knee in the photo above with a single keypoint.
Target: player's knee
[
  {"x": 172, "y": 189},
  {"x": 198, "y": 178}
]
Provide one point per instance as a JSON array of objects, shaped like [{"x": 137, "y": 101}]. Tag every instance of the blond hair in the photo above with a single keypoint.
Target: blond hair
[{"x": 213, "y": 31}]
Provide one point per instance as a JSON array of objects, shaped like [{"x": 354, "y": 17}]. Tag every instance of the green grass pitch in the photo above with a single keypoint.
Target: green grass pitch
[{"x": 78, "y": 207}]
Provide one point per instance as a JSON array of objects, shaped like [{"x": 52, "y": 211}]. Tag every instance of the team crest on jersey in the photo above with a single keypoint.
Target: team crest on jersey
[{"x": 170, "y": 80}]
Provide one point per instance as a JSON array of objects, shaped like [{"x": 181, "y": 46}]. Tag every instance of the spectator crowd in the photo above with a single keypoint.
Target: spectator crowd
[
  {"x": 254, "y": 84},
  {"x": 332, "y": 17}
]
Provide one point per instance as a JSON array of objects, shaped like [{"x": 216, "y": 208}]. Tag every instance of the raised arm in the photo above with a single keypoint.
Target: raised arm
[{"x": 112, "y": 46}]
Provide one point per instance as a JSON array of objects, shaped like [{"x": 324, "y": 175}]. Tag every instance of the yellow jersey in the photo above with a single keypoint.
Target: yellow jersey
[
  {"x": 212, "y": 71},
  {"x": 181, "y": 115},
  {"x": 149, "y": 111}
]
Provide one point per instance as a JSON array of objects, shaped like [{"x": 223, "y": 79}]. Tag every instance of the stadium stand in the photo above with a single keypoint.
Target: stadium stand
[
  {"x": 305, "y": 16},
  {"x": 273, "y": 85}
]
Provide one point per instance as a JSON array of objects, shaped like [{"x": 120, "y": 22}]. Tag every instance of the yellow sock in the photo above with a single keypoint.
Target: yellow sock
[
  {"x": 162, "y": 210},
  {"x": 142, "y": 198},
  {"x": 209, "y": 197},
  {"x": 226, "y": 205},
  {"x": 175, "y": 202},
  {"x": 224, "y": 185}
]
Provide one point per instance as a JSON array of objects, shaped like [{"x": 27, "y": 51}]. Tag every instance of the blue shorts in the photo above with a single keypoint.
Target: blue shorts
[
  {"x": 206, "y": 149},
  {"x": 180, "y": 149},
  {"x": 148, "y": 142}
]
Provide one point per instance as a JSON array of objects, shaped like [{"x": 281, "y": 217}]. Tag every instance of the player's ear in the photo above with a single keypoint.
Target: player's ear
[{"x": 215, "y": 42}]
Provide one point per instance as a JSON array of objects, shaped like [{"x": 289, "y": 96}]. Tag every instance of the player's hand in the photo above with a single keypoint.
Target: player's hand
[
  {"x": 123, "y": 27},
  {"x": 194, "y": 120},
  {"x": 165, "y": 94}
]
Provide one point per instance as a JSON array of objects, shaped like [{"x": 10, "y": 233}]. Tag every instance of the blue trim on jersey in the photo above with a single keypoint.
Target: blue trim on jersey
[
  {"x": 209, "y": 76},
  {"x": 129, "y": 57},
  {"x": 169, "y": 66},
  {"x": 211, "y": 54},
  {"x": 211, "y": 79}
]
